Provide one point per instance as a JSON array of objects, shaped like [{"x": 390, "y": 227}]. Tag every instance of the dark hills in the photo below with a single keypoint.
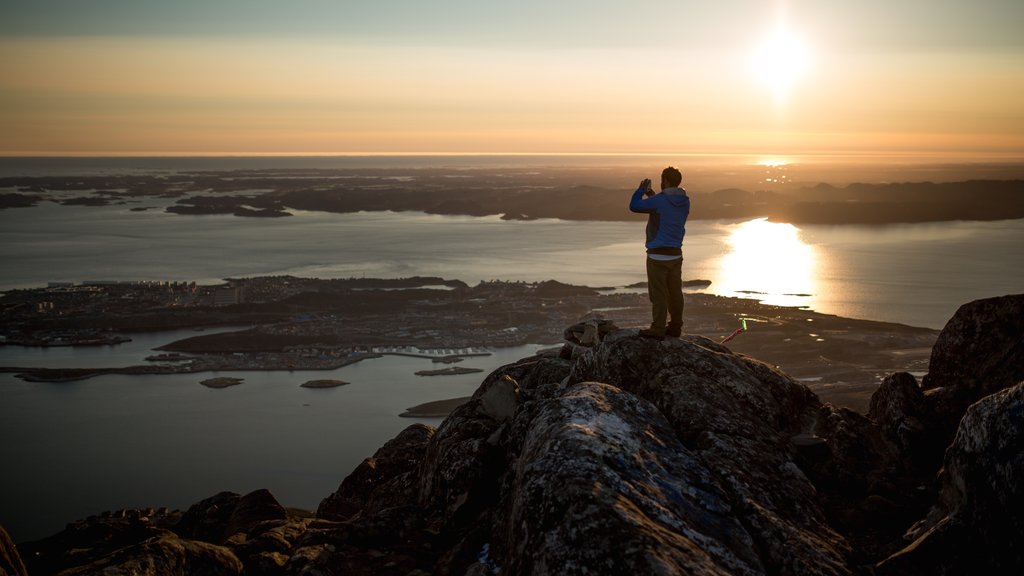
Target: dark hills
[
  {"x": 526, "y": 194},
  {"x": 823, "y": 204}
]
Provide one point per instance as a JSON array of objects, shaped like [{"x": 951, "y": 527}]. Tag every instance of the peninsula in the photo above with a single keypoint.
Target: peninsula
[
  {"x": 800, "y": 195},
  {"x": 454, "y": 371},
  {"x": 294, "y": 323}
]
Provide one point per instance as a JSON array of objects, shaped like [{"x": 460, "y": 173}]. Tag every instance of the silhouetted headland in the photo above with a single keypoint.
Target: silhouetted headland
[{"x": 521, "y": 194}]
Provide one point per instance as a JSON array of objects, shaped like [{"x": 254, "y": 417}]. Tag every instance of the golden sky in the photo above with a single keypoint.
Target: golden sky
[{"x": 934, "y": 78}]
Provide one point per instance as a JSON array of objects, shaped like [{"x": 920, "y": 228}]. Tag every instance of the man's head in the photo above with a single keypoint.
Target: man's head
[{"x": 671, "y": 177}]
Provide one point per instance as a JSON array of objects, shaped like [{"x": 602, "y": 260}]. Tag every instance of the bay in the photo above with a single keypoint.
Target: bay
[
  {"x": 111, "y": 442},
  {"x": 916, "y": 274}
]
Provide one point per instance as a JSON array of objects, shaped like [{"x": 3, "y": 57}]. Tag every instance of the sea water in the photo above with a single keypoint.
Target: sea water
[
  {"x": 916, "y": 274},
  {"x": 75, "y": 449}
]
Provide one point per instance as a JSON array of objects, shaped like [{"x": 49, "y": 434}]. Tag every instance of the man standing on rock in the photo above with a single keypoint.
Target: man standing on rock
[{"x": 666, "y": 225}]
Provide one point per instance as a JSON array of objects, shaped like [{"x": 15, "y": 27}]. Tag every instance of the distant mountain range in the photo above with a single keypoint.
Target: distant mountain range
[{"x": 518, "y": 196}]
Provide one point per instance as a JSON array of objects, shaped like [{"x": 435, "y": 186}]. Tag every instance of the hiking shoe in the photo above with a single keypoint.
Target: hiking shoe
[
  {"x": 674, "y": 330},
  {"x": 652, "y": 333}
]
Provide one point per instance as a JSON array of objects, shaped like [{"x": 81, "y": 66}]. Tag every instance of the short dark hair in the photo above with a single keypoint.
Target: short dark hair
[{"x": 672, "y": 176}]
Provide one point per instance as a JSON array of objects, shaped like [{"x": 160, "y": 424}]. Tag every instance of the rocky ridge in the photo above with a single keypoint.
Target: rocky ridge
[{"x": 635, "y": 456}]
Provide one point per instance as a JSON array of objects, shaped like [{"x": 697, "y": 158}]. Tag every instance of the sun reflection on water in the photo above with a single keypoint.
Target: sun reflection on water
[{"x": 769, "y": 261}]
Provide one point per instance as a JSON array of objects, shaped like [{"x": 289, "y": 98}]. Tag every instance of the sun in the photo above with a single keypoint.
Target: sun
[{"x": 780, "y": 61}]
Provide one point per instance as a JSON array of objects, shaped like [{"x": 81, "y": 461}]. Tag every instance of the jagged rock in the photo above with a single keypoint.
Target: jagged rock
[
  {"x": 86, "y": 541},
  {"x": 10, "y": 560},
  {"x": 858, "y": 454},
  {"x": 897, "y": 407},
  {"x": 207, "y": 520},
  {"x": 165, "y": 555},
  {"x": 737, "y": 415},
  {"x": 253, "y": 509},
  {"x": 589, "y": 333},
  {"x": 974, "y": 349},
  {"x": 460, "y": 466},
  {"x": 398, "y": 456},
  {"x": 862, "y": 483},
  {"x": 500, "y": 398},
  {"x": 602, "y": 486},
  {"x": 383, "y": 545},
  {"x": 310, "y": 560},
  {"x": 427, "y": 497},
  {"x": 463, "y": 460},
  {"x": 252, "y": 527},
  {"x": 265, "y": 564},
  {"x": 120, "y": 542},
  {"x": 974, "y": 356},
  {"x": 977, "y": 527}
]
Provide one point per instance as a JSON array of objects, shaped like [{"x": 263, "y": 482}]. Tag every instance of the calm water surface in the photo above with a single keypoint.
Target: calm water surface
[
  {"x": 110, "y": 442},
  {"x": 914, "y": 274}
]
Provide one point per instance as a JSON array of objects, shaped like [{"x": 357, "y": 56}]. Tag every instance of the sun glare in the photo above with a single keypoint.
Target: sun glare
[
  {"x": 780, "y": 61},
  {"x": 771, "y": 261}
]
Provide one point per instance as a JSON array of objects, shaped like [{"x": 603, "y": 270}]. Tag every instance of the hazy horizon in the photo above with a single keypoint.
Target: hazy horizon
[{"x": 780, "y": 79}]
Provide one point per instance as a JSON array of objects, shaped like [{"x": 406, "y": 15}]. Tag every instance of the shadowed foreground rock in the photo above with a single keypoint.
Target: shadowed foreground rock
[
  {"x": 977, "y": 526},
  {"x": 631, "y": 456},
  {"x": 10, "y": 560}
]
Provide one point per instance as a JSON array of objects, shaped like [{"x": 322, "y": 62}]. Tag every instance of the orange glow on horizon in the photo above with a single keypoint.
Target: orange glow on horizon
[{"x": 108, "y": 96}]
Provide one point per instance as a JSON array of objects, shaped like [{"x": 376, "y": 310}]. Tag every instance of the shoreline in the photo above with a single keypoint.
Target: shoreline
[
  {"x": 435, "y": 409},
  {"x": 798, "y": 193},
  {"x": 831, "y": 354}
]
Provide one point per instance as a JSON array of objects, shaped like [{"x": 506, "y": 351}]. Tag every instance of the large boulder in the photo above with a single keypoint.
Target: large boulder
[
  {"x": 165, "y": 555},
  {"x": 207, "y": 520},
  {"x": 976, "y": 349},
  {"x": 225, "y": 514},
  {"x": 862, "y": 481},
  {"x": 426, "y": 500},
  {"x": 462, "y": 473},
  {"x": 902, "y": 412},
  {"x": 976, "y": 354},
  {"x": 602, "y": 485},
  {"x": 898, "y": 407},
  {"x": 398, "y": 457},
  {"x": 977, "y": 526},
  {"x": 88, "y": 540},
  {"x": 738, "y": 416}
]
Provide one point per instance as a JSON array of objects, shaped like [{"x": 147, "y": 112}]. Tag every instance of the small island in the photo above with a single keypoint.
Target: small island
[
  {"x": 436, "y": 409},
  {"x": 324, "y": 384},
  {"x": 221, "y": 382},
  {"x": 698, "y": 283},
  {"x": 453, "y": 371}
]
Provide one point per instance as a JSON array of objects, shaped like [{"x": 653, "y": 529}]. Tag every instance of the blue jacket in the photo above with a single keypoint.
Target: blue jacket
[{"x": 666, "y": 221}]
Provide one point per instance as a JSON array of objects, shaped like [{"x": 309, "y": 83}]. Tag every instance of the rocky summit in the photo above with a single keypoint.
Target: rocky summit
[{"x": 624, "y": 455}]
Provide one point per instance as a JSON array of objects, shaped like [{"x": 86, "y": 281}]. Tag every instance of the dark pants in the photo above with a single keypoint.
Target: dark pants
[{"x": 665, "y": 287}]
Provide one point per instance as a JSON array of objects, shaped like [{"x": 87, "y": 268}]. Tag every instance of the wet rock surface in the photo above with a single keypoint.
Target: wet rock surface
[{"x": 632, "y": 456}]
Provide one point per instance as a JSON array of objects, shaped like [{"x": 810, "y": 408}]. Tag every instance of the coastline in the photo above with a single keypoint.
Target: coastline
[
  {"x": 780, "y": 193},
  {"x": 840, "y": 358},
  {"x": 435, "y": 409}
]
